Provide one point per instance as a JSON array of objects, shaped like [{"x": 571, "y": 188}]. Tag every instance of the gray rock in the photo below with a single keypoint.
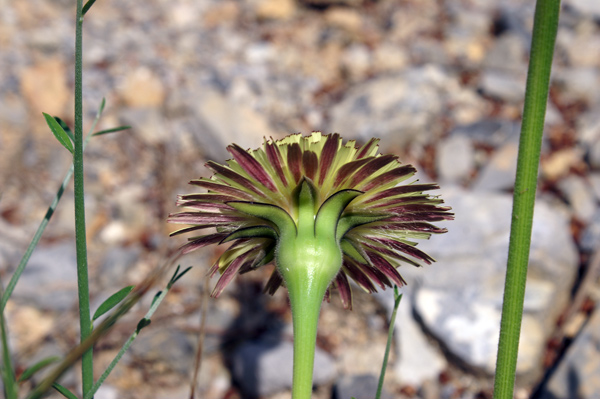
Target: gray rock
[
  {"x": 358, "y": 386},
  {"x": 493, "y": 132},
  {"x": 506, "y": 86},
  {"x": 459, "y": 298},
  {"x": 578, "y": 374},
  {"x": 264, "y": 367},
  {"x": 455, "y": 159},
  {"x": 170, "y": 347},
  {"x": 500, "y": 171},
  {"x": 590, "y": 239},
  {"x": 507, "y": 54},
  {"x": 117, "y": 261},
  {"x": 222, "y": 122},
  {"x": 405, "y": 105},
  {"x": 585, "y": 7},
  {"x": 580, "y": 197},
  {"x": 417, "y": 360},
  {"x": 50, "y": 278},
  {"x": 577, "y": 84}
]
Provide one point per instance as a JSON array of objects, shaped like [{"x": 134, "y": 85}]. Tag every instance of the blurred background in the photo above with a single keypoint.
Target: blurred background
[{"x": 440, "y": 82}]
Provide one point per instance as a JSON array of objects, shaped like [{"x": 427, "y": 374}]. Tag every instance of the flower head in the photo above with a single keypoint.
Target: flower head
[{"x": 296, "y": 197}]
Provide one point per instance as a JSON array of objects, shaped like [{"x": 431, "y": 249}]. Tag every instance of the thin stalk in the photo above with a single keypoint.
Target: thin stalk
[
  {"x": 85, "y": 323},
  {"x": 536, "y": 94},
  {"x": 155, "y": 303},
  {"x": 397, "y": 298},
  {"x": 306, "y": 296},
  {"x": 40, "y": 230}
]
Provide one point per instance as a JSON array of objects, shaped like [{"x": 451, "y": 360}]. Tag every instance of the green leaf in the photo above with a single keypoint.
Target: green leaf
[
  {"x": 59, "y": 132},
  {"x": 155, "y": 298},
  {"x": 143, "y": 324},
  {"x": 112, "y": 301},
  {"x": 6, "y": 369},
  {"x": 177, "y": 276},
  {"x": 85, "y": 9},
  {"x": 112, "y": 130},
  {"x": 66, "y": 128},
  {"x": 37, "y": 367},
  {"x": 64, "y": 391}
]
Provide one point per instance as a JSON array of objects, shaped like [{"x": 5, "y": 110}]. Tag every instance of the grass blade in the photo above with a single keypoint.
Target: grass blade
[
  {"x": 113, "y": 130},
  {"x": 7, "y": 370},
  {"x": 87, "y": 7},
  {"x": 59, "y": 132},
  {"x": 64, "y": 391},
  {"x": 112, "y": 301},
  {"x": 37, "y": 367},
  {"x": 397, "y": 298}
]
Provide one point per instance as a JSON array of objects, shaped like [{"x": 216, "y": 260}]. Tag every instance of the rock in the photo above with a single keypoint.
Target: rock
[
  {"x": 107, "y": 392},
  {"x": 166, "y": 347},
  {"x": 577, "y": 84},
  {"x": 216, "y": 128},
  {"x": 585, "y": 7},
  {"x": 356, "y": 61},
  {"x": 44, "y": 86},
  {"x": 417, "y": 360},
  {"x": 345, "y": 18},
  {"x": 148, "y": 124},
  {"x": 594, "y": 155},
  {"x": 507, "y": 54},
  {"x": 499, "y": 173},
  {"x": 505, "y": 86},
  {"x": 275, "y": 9},
  {"x": 580, "y": 197},
  {"x": 358, "y": 386},
  {"x": 142, "y": 88},
  {"x": 588, "y": 127},
  {"x": 559, "y": 163},
  {"x": 492, "y": 132},
  {"x": 459, "y": 297},
  {"x": 264, "y": 367},
  {"x": 578, "y": 374},
  {"x": 455, "y": 159},
  {"x": 405, "y": 105},
  {"x": 590, "y": 238},
  {"x": 50, "y": 278}
]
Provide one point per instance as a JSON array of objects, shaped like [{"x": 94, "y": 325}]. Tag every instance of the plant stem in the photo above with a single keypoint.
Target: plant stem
[
  {"x": 536, "y": 93},
  {"x": 85, "y": 323},
  {"x": 306, "y": 296},
  {"x": 397, "y": 298}
]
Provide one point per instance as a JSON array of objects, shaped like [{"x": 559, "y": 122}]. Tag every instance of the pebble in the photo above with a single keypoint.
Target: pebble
[
  {"x": 264, "y": 367},
  {"x": 49, "y": 281},
  {"x": 505, "y": 86},
  {"x": 455, "y": 159},
  {"x": 500, "y": 171},
  {"x": 358, "y": 386},
  {"x": 580, "y": 197},
  {"x": 418, "y": 360},
  {"x": 51, "y": 74},
  {"x": 459, "y": 297},
  {"x": 578, "y": 375}
]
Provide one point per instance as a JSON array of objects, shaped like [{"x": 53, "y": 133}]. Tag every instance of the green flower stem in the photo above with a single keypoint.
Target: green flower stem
[
  {"x": 85, "y": 323},
  {"x": 388, "y": 346},
  {"x": 309, "y": 258},
  {"x": 538, "y": 78}
]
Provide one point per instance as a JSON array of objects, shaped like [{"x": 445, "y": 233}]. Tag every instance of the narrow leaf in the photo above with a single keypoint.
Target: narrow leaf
[
  {"x": 143, "y": 324},
  {"x": 112, "y": 301},
  {"x": 64, "y": 391},
  {"x": 112, "y": 130},
  {"x": 59, "y": 132},
  {"x": 177, "y": 277},
  {"x": 65, "y": 127},
  {"x": 37, "y": 367},
  {"x": 329, "y": 213},
  {"x": 85, "y": 9}
]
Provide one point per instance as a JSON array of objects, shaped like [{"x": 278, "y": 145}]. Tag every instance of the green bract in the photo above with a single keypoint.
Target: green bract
[{"x": 314, "y": 206}]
